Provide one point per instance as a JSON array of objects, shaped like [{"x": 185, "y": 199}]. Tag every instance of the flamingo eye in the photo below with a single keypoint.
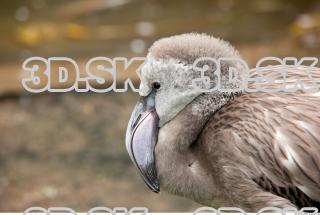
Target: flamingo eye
[{"x": 156, "y": 85}]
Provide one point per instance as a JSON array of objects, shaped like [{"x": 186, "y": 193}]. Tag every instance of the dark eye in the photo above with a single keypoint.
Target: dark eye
[{"x": 156, "y": 85}]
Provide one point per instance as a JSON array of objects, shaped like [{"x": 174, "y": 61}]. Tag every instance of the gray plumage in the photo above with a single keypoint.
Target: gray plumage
[
  {"x": 247, "y": 150},
  {"x": 186, "y": 48},
  {"x": 258, "y": 151}
]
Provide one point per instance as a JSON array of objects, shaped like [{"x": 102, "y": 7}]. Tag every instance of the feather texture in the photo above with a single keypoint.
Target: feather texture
[{"x": 272, "y": 144}]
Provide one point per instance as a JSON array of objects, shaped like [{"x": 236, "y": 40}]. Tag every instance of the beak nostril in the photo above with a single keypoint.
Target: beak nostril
[{"x": 136, "y": 122}]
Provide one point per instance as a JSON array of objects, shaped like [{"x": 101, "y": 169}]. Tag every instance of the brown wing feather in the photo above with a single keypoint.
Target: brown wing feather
[
  {"x": 292, "y": 193},
  {"x": 278, "y": 136}
]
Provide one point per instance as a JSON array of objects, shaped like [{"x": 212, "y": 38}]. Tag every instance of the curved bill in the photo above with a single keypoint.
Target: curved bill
[{"x": 141, "y": 139}]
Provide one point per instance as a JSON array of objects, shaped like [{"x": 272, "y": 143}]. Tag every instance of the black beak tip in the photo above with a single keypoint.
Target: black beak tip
[
  {"x": 151, "y": 181},
  {"x": 157, "y": 190},
  {"x": 154, "y": 187}
]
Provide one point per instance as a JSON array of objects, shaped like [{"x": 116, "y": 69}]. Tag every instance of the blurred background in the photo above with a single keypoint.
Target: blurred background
[{"x": 67, "y": 149}]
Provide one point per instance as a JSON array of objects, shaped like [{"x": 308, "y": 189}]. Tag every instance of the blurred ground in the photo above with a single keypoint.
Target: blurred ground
[{"x": 68, "y": 149}]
